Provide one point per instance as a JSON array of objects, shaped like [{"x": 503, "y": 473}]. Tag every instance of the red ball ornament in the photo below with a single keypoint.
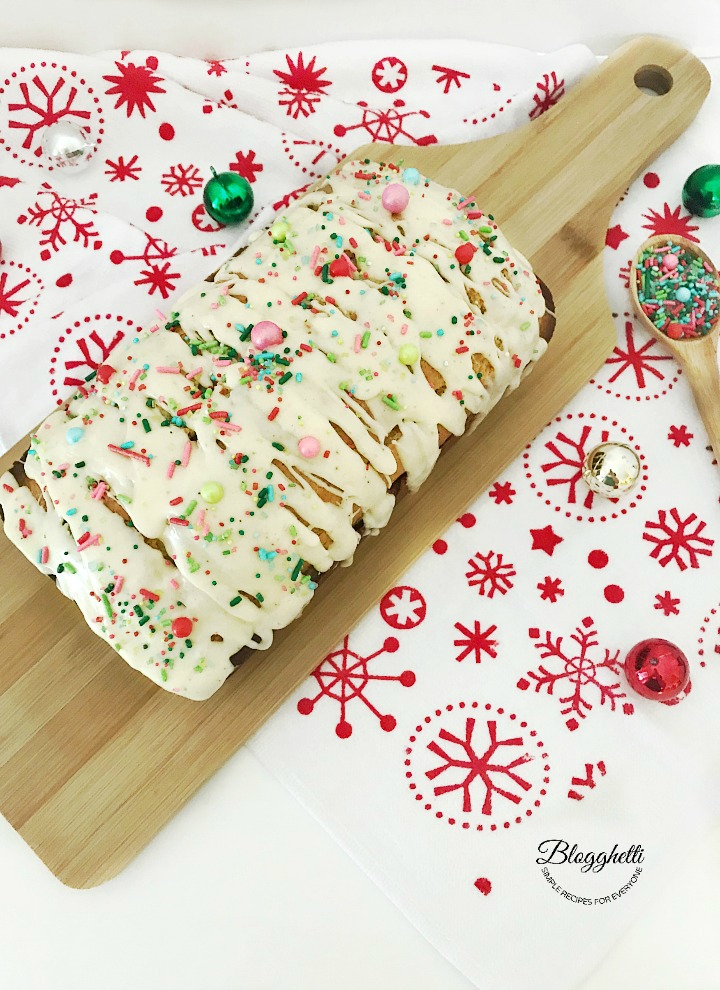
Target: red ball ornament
[
  {"x": 182, "y": 627},
  {"x": 657, "y": 669}
]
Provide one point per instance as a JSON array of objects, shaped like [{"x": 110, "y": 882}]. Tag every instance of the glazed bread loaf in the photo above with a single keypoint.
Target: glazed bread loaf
[{"x": 190, "y": 496}]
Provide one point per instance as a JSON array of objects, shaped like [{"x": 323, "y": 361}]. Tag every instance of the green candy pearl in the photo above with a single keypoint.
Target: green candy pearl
[
  {"x": 408, "y": 354},
  {"x": 212, "y": 491},
  {"x": 279, "y": 231},
  {"x": 228, "y": 197},
  {"x": 701, "y": 192}
]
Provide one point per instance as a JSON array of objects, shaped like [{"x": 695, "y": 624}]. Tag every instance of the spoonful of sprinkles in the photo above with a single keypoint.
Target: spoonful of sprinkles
[{"x": 675, "y": 289}]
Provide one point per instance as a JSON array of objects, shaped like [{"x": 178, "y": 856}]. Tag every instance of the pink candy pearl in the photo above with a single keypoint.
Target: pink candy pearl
[
  {"x": 266, "y": 334},
  {"x": 395, "y": 197},
  {"x": 309, "y": 446},
  {"x": 670, "y": 262}
]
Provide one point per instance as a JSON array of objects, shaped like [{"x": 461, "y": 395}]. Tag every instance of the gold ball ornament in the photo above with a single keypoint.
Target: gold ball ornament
[{"x": 611, "y": 469}]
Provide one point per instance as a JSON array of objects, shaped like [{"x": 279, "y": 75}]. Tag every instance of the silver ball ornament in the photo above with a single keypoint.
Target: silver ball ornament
[
  {"x": 66, "y": 145},
  {"x": 611, "y": 469}
]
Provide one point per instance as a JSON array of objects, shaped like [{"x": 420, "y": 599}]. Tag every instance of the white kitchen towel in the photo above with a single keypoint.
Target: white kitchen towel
[{"x": 480, "y": 710}]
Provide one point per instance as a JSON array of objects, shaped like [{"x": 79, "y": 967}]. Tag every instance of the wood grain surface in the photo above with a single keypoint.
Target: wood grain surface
[{"x": 94, "y": 759}]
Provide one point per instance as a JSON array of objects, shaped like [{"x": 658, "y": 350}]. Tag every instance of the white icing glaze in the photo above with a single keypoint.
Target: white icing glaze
[{"x": 198, "y": 389}]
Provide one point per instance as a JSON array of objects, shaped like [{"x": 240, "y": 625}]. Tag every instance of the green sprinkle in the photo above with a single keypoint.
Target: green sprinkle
[
  {"x": 297, "y": 568},
  {"x": 191, "y": 508},
  {"x": 331, "y": 358},
  {"x": 391, "y": 401},
  {"x": 259, "y": 597},
  {"x": 69, "y": 567},
  {"x": 365, "y": 339},
  {"x": 146, "y": 426},
  {"x": 425, "y": 333},
  {"x": 286, "y": 377},
  {"x": 235, "y": 601}
]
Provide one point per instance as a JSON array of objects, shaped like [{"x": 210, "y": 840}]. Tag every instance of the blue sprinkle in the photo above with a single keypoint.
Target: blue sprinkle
[
  {"x": 75, "y": 434},
  {"x": 127, "y": 445},
  {"x": 71, "y": 512}
]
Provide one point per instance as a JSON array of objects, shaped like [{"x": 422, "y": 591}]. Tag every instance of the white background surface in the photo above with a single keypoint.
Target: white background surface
[{"x": 244, "y": 890}]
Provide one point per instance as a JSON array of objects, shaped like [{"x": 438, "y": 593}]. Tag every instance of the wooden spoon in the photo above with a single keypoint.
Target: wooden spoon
[{"x": 697, "y": 355}]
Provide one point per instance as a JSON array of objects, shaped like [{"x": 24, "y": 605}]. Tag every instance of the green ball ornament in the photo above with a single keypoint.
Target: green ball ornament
[
  {"x": 228, "y": 197},
  {"x": 701, "y": 192}
]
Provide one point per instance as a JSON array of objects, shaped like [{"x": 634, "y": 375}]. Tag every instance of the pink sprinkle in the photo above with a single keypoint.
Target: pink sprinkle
[
  {"x": 135, "y": 376},
  {"x": 465, "y": 202},
  {"x": 225, "y": 289},
  {"x": 174, "y": 584},
  {"x": 163, "y": 370},
  {"x": 363, "y": 195},
  {"x": 315, "y": 256},
  {"x": 161, "y": 315},
  {"x": 119, "y": 582},
  {"x": 99, "y": 490},
  {"x": 206, "y": 529},
  {"x": 91, "y": 542},
  {"x": 341, "y": 221},
  {"x": 213, "y": 305},
  {"x": 222, "y": 362},
  {"x": 447, "y": 221},
  {"x": 129, "y": 453},
  {"x": 233, "y": 427},
  {"x": 195, "y": 373},
  {"x": 358, "y": 341},
  {"x": 185, "y": 460},
  {"x": 404, "y": 329},
  {"x": 154, "y": 328},
  {"x": 44, "y": 555},
  {"x": 170, "y": 470},
  {"x": 201, "y": 518}
]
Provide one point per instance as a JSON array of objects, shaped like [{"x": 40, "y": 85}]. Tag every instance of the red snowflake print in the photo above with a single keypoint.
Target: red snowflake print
[
  {"x": 59, "y": 218},
  {"x": 246, "y": 166},
  {"x": 135, "y": 86},
  {"x": 343, "y": 677},
  {"x": 670, "y": 222},
  {"x": 449, "y": 77},
  {"x": 579, "y": 671},
  {"x": 288, "y": 198},
  {"x": 554, "y": 467},
  {"x": 545, "y": 539},
  {"x": 47, "y": 105},
  {"x": 588, "y": 780},
  {"x": 638, "y": 366},
  {"x": 202, "y": 222},
  {"x": 157, "y": 276},
  {"x": 35, "y": 100},
  {"x": 489, "y": 573},
  {"x": 20, "y": 290},
  {"x": 482, "y": 767},
  {"x": 182, "y": 180},
  {"x": 666, "y": 604},
  {"x": 680, "y": 436},
  {"x": 389, "y": 74},
  {"x": 677, "y": 540},
  {"x": 502, "y": 492},
  {"x": 549, "y": 91},
  {"x": 215, "y": 67},
  {"x": 403, "y": 607},
  {"x": 82, "y": 348},
  {"x": 475, "y": 641},
  {"x": 640, "y": 361},
  {"x": 550, "y": 589},
  {"x": 615, "y": 236},
  {"x": 304, "y": 85},
  {"x": 313, "y": 157},
  {"x": 387, "y": 125},
  {"x": 121, "y": 170}
]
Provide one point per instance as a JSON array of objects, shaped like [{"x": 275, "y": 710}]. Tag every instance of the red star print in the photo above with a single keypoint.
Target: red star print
[
  {"x": 545, "y": 539},
  {"x": 680, "y": 436},
  {"x": 667, "y": 604},
  {"x": 615, "y": 236},
  {"x": 246, "y": 165},
  {"x": 670, "y": 222},
  {"x": 5, "y": 180},
  {"x": 135, "y": 86},
  {"x": 550, "y": 589},
  {"x": 215, "y": 67},
  {"x": 502, "y": 492},
  {"x": 121, "y": 170}
]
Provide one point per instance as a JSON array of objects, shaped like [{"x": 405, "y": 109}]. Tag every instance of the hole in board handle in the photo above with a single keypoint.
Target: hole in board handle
[{"x": 653, "y": 80}]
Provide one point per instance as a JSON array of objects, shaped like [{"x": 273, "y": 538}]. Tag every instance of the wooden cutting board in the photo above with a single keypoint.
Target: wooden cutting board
[{"x": 94, "y": 759}]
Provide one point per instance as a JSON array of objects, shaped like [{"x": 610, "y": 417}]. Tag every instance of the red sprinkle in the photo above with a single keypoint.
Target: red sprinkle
[
  {"x": 305, "y": 347},
  {"x": 129, "y": 453},
  {"x": 461, "y": 350},
  {"x": 273, "y": 414},
  {"x": 8, "y": 488},
  {"x": 177, "y": 521},
  {"x": 187, "y": 409},
  {"x": 176, "y": 501},
  {"x": 298, "y": 299},
  {"x": 149, "y": 594}
]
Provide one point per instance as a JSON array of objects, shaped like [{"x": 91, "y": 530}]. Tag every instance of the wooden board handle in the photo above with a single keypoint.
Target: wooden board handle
[
  {"x": 570, "y": 166},
  {"x": 700, "y": 361}
]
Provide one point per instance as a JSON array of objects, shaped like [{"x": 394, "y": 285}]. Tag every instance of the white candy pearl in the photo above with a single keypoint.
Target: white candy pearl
[{"x": 66, "y": 145}]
